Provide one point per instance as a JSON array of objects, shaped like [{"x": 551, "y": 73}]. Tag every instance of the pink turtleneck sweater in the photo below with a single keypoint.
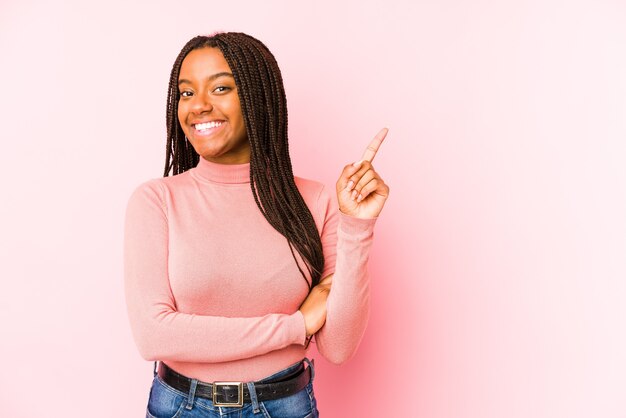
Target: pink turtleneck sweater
[{"x": 212, "y": 289}]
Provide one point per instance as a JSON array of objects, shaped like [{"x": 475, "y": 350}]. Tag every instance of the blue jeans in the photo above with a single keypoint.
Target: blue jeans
[{"x": 167, "y": 402}]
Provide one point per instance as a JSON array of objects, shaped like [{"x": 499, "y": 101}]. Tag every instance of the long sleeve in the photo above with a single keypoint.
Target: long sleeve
[
  {"x": 160, "y": 331},
  {"x": 346, "y": 241}
]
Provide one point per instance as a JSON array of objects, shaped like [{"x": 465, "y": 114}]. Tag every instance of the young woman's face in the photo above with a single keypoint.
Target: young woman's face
[{"x": 209, "y": 111}]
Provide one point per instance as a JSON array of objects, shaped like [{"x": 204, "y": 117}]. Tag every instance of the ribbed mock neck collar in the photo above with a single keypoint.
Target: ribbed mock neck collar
[{"x": 223, "y": 173}]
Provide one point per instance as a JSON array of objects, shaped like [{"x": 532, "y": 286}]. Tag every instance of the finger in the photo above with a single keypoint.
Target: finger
[
  {"x": 346, "y": 175},
  {"x": 375, "y": 186},
  {"x": 361, "y": 169},
  {"x": 366, "y": 178},
  {"x": 320, "y": 289},
  {"x": 372, "y": 148},
  {"x": 327, "y": 280},
  {"x": 322, "y": 286}
]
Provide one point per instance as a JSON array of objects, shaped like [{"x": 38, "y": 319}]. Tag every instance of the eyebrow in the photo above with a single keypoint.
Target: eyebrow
[{"x": 210, "y": 78}]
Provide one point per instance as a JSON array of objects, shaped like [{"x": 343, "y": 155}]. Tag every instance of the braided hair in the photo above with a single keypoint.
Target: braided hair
[{"x": 264, "y": 108}]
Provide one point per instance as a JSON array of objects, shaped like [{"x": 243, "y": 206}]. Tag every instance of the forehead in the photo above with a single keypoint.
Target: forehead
[{"x": 203, "y": 62}]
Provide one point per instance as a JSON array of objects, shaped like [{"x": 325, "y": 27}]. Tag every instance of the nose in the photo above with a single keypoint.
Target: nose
[{"x": 201, "y": 103}]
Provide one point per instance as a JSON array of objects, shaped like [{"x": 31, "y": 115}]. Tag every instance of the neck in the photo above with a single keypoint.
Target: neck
[{"x": 223, "y": 173}]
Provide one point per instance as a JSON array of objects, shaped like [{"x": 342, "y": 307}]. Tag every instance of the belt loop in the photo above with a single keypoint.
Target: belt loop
[
  {"x": 311, "y": 364},
  {"x": 192, "y": 394},
  {"x": 253, "y": 398},
  {"x": 154, "y": 372}
]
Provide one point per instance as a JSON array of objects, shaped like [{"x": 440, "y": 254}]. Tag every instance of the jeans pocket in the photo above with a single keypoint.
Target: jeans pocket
[
  {"x": 298, "y": 405},
  {"x": 164, "y": 401}
]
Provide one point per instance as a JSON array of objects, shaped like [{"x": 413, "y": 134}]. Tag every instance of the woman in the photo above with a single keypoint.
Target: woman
[{"x": 230, "y": 262}]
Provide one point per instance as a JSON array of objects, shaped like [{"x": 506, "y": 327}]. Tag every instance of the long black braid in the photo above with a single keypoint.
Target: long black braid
[{"x": 264, "y": 108}]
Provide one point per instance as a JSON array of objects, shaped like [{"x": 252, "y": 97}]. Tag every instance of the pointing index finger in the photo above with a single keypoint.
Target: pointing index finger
[{"x": 372, "y": 148}]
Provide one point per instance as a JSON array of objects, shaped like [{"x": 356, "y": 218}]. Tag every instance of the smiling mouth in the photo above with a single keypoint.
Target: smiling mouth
[{"x": 207, "y": 128}]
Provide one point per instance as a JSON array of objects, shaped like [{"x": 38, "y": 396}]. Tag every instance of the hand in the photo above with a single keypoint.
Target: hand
[
  {"x": 314, "y": 306},
  {"x": 360, "y": 190}
]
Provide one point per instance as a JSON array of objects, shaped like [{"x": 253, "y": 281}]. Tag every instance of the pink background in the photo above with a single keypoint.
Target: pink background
[{"x": 498, "y": 265}]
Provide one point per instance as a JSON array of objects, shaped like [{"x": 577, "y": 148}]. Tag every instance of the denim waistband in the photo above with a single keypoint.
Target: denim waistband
[
  {"x": 251, "y": 385},
  {"x": 284, "y": 372}
]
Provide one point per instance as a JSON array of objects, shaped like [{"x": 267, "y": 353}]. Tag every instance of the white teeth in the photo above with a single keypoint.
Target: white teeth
[{"x": 208, "y": 125}]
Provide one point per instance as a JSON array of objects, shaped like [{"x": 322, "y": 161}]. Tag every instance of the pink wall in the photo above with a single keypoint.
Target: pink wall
[{"x": 498, "y": 263}]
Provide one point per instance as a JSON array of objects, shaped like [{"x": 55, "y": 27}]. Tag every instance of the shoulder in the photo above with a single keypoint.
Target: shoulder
[
  {"x": 308, "y": 186},
  {"x": 161, "y": 184},
  {"x": 153, "y": 192},
  {"x": 317, "y": 196},
  {"x": 311, "y": 190}
]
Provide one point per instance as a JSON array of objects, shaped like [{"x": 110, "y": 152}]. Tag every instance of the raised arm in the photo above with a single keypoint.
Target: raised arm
[
  {"x": 347, "y": 237},
  {"x": 159, "y": 330}
]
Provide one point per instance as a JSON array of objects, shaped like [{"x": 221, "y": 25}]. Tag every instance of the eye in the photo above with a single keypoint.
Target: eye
[
  {"x": 185, "y": 93},
  {"x": 221, "y": 89}
]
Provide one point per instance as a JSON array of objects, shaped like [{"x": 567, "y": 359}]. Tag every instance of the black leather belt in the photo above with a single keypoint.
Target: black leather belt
[{"x": 236, "y": 393}]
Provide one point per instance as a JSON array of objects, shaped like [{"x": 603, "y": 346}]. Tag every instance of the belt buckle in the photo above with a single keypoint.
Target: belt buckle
[{"x": 239, "y": 386}]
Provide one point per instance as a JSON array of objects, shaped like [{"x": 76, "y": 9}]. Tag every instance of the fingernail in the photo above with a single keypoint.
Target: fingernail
[
  {"x": 358, "y": 163},
  {"x": 359, "y": 198},
  {"x": 353, "y": 194},
  {"x": 350, "y": 185}
]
